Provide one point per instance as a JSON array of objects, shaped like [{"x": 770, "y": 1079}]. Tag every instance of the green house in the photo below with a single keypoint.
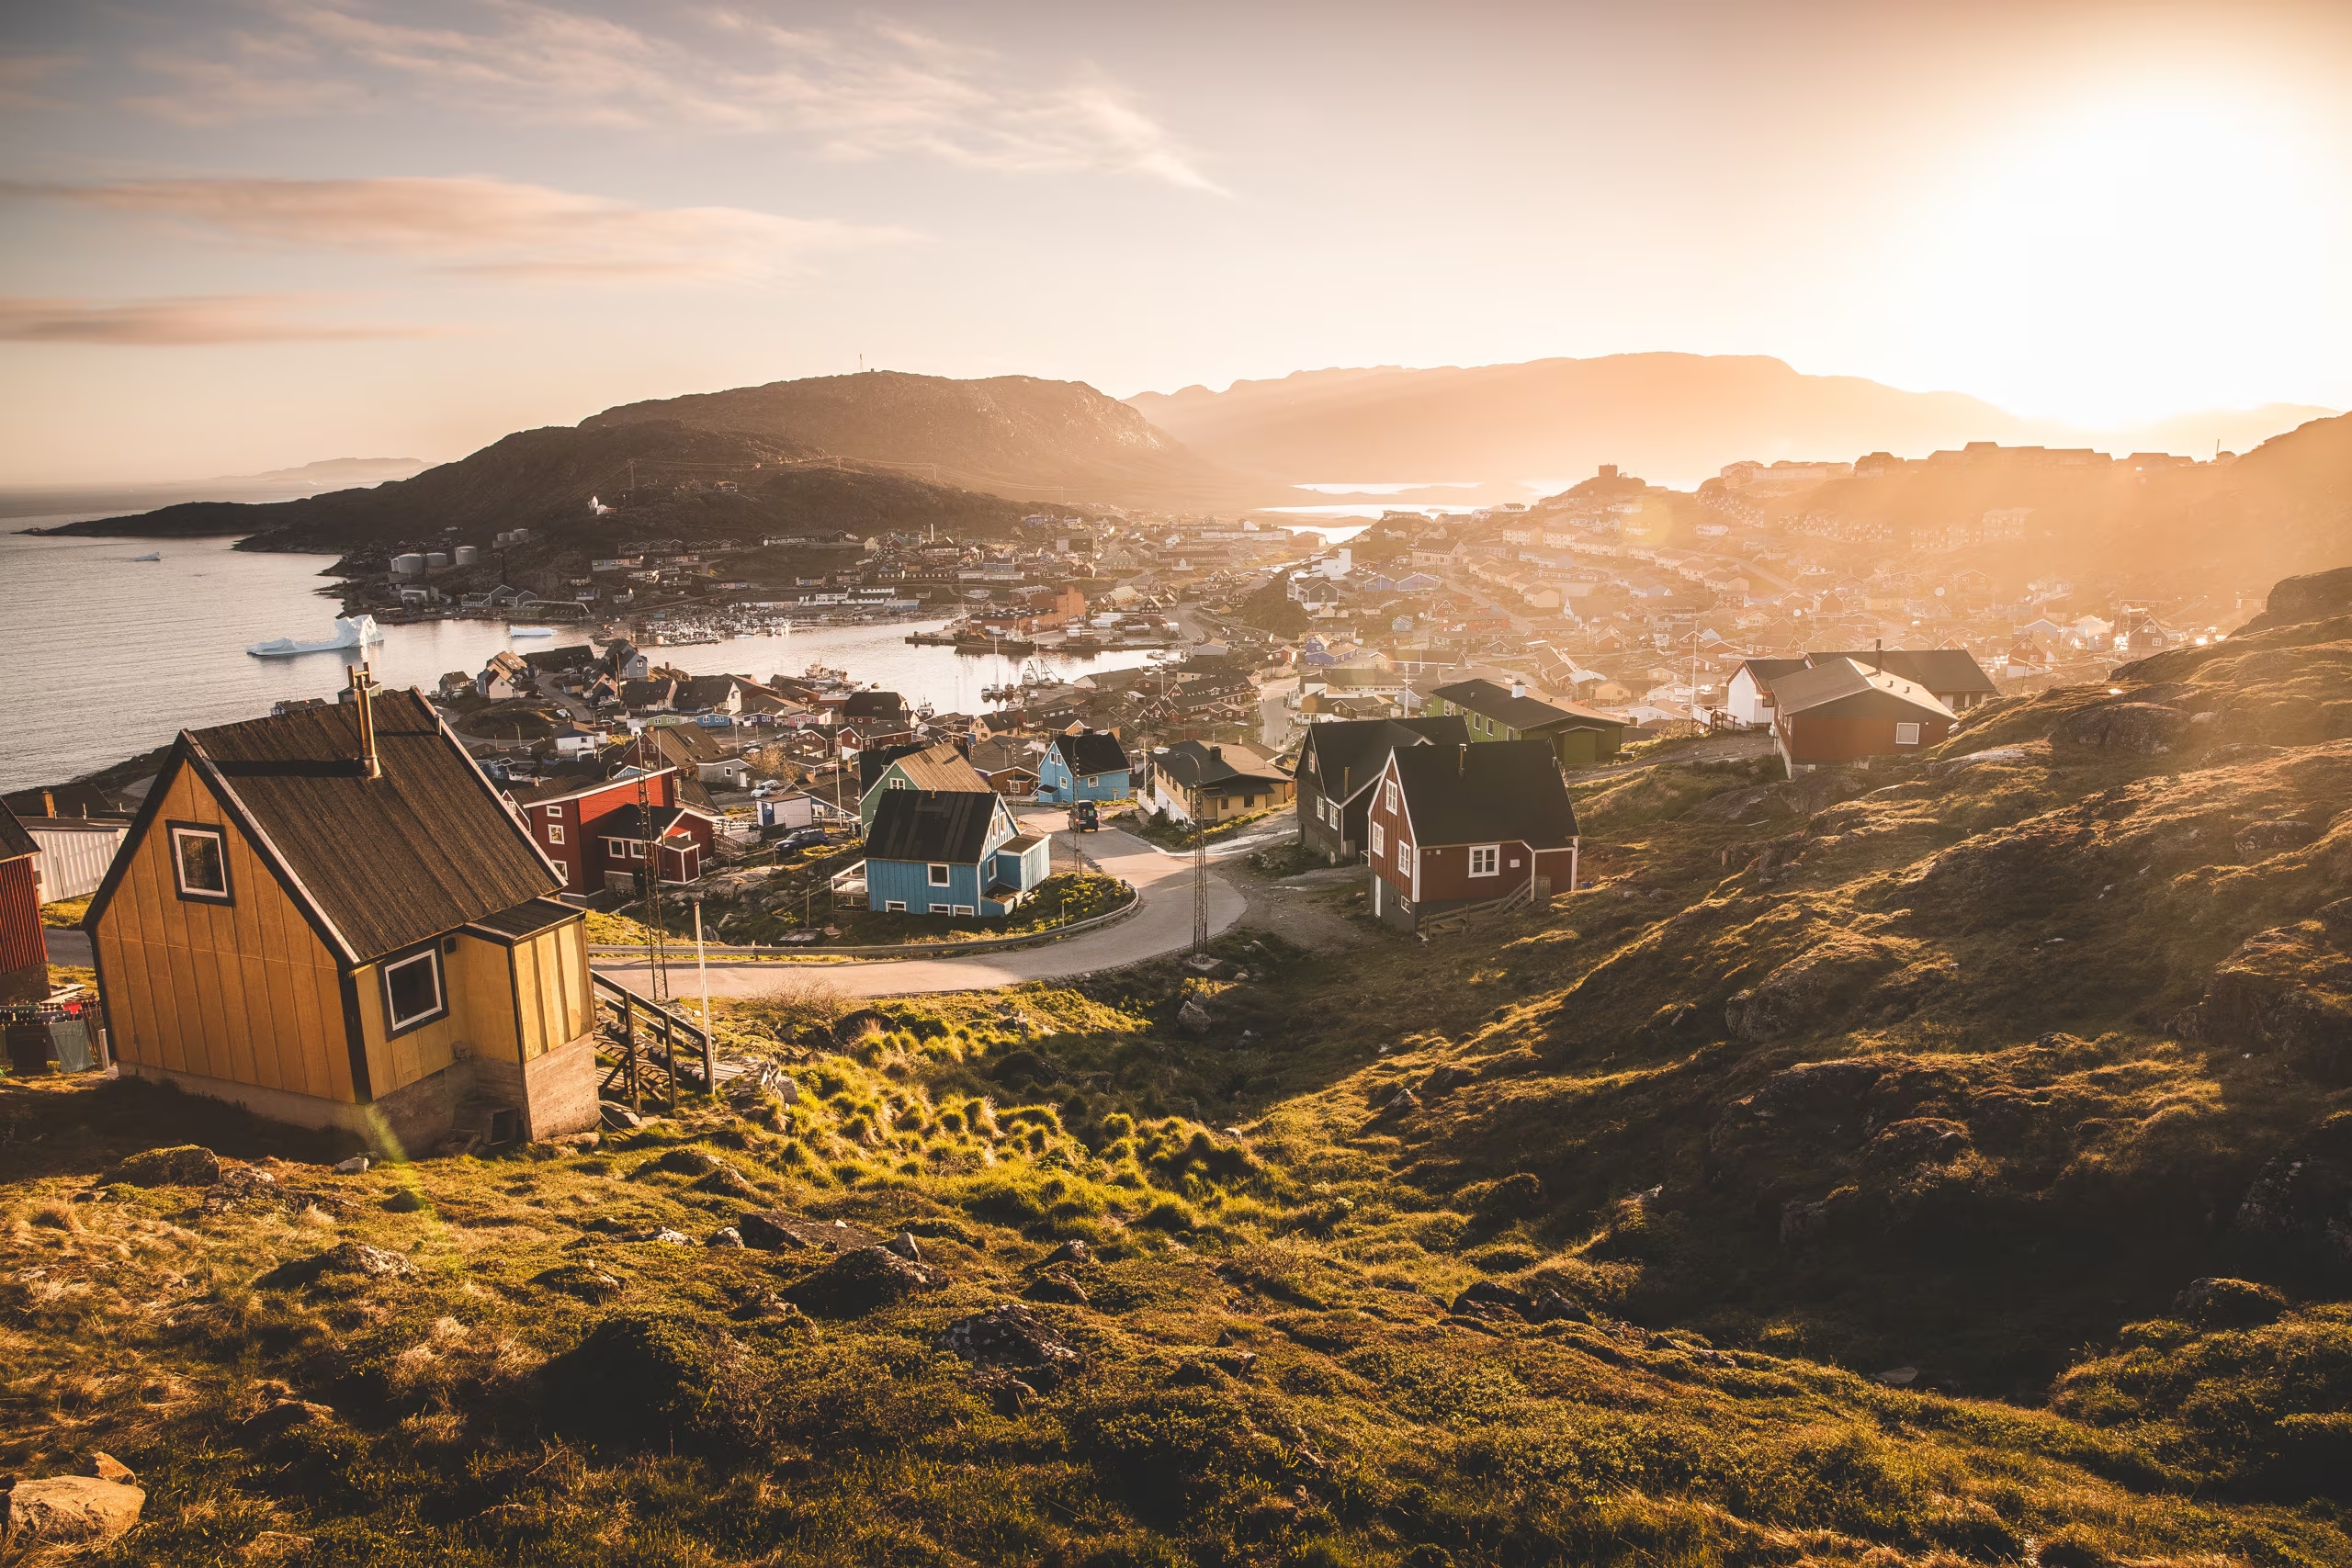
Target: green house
[{"x": 1506, "y": 713}]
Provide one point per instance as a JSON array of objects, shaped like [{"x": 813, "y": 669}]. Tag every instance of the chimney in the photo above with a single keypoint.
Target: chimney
[
  {"x": 1518, "y": 686},
  {"x": 47, "y": 803},
  {"x": 1461, "y": 761},
  {"x": 1878, "y": 656},
  {"x": 363, "y": 689}
]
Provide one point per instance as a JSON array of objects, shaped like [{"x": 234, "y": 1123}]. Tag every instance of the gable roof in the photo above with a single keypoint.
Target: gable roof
[
  {"x": 1836, "y": 680},
  {"x": 1951, "y": 670},
  {"x": 873, "y": 705},
  {"x": 873, "y": 761},
  {"x": 1091, "y": 752},
  {"x": 1764, "y": 672},
  {"x": 939, "y": 766},
  {"x": 932, "y": 825},
  {"x": 378, "y": 864},
  {"x": 1527, "y": 714},
  {"x": 1197, "y": 764},
  {"x": 1349, "y": 755},
  {"x": 15, "y": 842},
  {"x": 1493, "y": 791}
]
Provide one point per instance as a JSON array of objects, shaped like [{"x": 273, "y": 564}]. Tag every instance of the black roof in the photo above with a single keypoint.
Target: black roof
[
  {"x": 1938, "y": 669},
  {"x": 932, "y": 825},
  {"x": 1091, "y": 752},
  {"x": 1529, "y": 715},
  {"x": 15, "y": 842},
  {"x": 1349, "y": 755},
  {"x": 572, "y": 656},
  {"x": 873, "y": 705},
  {"x": 380, "y": 864},
  {"x": 1478, "y": 794},
  {"x": 628, "y": 822}
]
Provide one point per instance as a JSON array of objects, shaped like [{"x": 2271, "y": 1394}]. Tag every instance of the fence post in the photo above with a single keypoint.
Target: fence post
[{"x": 629, "y": 1044}]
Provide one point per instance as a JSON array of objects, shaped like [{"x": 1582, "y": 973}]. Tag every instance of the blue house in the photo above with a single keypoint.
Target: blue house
[
  {"x": 950, "y": 853},
  {"x": 1089, "y": 765}
]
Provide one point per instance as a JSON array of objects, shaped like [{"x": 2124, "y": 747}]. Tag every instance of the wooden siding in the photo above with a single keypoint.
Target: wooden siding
[
  {"x": 1825, "y": 737},
  {"x": 550, "y": 989},
  {"x": 245, "y": 991}
]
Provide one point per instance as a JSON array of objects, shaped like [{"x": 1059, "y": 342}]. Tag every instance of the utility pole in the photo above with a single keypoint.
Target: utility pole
[{"x": 1199, "y": 885}]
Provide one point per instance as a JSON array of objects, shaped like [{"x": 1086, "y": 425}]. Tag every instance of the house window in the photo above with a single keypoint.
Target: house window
[
  {"x": 894, "y": 906},
  {"x": 939, "y": 908},
  {"x": 1391, "y": 796},
  {"x": 1379, "y": 839},
  {"x": 412, "y": 990},
  {"x": 897, "y": 782},
  {"x": 555, "y": 835},
  {"x": 939, "y": 876},
  {"x": 555, "y": 813},
  {"x": 563, "y": 874},
  {"x": 1906, "y": 735},
  {"x": 962, "y": 909},
  {"x": 1483, "y": 858},
  {"x": 200, "y": 863},
  {"x": 616, "y": 848}
]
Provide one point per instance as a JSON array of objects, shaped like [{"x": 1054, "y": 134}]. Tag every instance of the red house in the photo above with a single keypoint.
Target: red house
[
  {"x": 597, "y": 836},
  {"x": 1839, "y": 710},
  {"x": 1457, "y": 825},
  {"x": 23, "y": 948}
]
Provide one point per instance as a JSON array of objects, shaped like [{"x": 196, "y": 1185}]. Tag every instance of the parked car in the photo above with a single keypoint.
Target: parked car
[
  {"x": 801, "y": 838},
  {"x": 765, "y": 787}
]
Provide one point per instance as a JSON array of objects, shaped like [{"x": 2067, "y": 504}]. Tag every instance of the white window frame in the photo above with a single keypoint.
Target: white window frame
[
  {"x": 431, "y": 958},
  {"x": 1388, "y": 794},
  {"x": 1379, "y": 840},
  {"x": 940, "y": 909},
  {"x": 220, "y": 841},
  {"x": 555, "y": 813},
  {"x": 941, "y": 876},
  {"x": 562, "y": 873},
  {"x": 555, "y": 834},
  {"x": 894, "y": 906},
  {"x": 1488, "y": 856},
  {"x": 1906, "y": 735},
  {"x": 616, "y": 849},
  {"x": 962, "y": 910}
]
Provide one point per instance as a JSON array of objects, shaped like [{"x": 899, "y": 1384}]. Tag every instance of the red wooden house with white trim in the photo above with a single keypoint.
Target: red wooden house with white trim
[
  {"x": 595, "y": 834},
  {"x": 1451, "y": 826}
]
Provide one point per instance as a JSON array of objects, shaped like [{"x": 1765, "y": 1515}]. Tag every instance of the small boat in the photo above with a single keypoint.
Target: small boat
[
  {"x": 150, "y": 555},
  {"x": 350, "y": 631},
  {"x": 530, "y": 631}
]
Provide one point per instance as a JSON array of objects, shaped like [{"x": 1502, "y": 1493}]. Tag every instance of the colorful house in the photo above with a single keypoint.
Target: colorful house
[
  {"x": 1194, "y": 781},
  {"x": 24, "y": 946},
  {"x": 1454, "y": 826},
  {"x": 949, "y": 852},
  {"x": 332, "y": 920},
  {"x": 1089, "y": 765},
  {"x": 1498, "y": 713},
  {"x": 596, "y": 835},
  {"x": 937, "y": 767},
  {"x": 1836, "y": 711},
  {"x": 1339, "y": 763}
]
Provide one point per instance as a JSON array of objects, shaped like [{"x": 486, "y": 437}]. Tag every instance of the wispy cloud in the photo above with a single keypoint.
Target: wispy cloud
[
  {"x": 23, "y": 76},
  {"x": 483, "y": 227},
  {"x": 876, "y": 92},
  {"x": 181, "y": 323}
]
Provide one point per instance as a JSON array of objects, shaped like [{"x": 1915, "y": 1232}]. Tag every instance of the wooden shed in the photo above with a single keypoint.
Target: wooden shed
[{"x": 332, "y": 918}]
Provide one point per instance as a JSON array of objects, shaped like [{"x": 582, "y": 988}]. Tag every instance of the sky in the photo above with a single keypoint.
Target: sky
[{"x": 240, "y": 235}]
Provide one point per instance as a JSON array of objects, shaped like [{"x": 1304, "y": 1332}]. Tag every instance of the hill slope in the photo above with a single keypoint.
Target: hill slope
[
  {"x": 1012, "y": 434},
  {"x": 1672, "y": 418},
  {"x": 1948, "y": 1164},
  {"x": 542, "y": 479}
]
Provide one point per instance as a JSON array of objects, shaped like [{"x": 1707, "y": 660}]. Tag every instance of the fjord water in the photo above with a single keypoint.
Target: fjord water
[{"x": 103, "y": 656}]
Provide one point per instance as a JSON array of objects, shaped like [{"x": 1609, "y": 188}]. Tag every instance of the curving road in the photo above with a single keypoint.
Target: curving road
[{"x": 1163, "y": 925}]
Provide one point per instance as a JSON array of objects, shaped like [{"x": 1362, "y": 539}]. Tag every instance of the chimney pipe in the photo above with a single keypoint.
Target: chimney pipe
[
  {"x": 1461, "y": 761},
  {"x": 1518, "y": 687},
  {"x": 1878, "y": 656},
  {"x": 363, "y": 689}
]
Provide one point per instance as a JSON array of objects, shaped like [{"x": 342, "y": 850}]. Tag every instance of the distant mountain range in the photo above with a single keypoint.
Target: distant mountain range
[
  {"x": 273, "y": 484},
  {"x": 1675, "y": 419}
]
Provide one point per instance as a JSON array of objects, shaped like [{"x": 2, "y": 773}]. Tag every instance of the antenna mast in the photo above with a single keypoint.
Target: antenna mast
[{"x": 1200, "y": 884}]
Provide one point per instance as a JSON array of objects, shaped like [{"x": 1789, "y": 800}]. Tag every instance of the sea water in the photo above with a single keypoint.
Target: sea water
[{"x": 103, "y": 656}]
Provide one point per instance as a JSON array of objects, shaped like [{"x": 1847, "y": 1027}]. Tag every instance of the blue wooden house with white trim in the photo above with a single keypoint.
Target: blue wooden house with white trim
[
  {"x": 950, "y": 853},
  {"x": 1089, "y": 765}
]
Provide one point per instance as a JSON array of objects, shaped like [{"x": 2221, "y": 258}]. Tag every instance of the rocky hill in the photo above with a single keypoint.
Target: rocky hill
[
  {"x": 543, "y": 479},
  {"x": 1674, "y": 417},
  {"x": 1014, "y": 435},
  {"x": 2285, "y": 507},
  {"x": 1947, "y": 1162}
]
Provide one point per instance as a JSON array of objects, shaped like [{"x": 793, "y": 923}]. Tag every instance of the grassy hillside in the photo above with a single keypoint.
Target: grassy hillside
[{"x": 1944, "y": 1164}]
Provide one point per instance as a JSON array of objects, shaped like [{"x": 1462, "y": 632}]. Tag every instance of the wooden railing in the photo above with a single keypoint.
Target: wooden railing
[{"x": 663, "y": 1030}]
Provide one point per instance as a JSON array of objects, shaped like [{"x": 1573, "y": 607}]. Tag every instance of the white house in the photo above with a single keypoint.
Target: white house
[{"x": 1750, "y": 697}]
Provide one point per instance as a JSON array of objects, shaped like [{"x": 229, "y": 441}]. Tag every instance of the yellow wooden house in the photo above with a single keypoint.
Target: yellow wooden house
[{"x": 332, "y": 918}]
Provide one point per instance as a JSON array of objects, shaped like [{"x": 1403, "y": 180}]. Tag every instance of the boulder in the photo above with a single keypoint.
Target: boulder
[
  {"x": 359, "y": 1257},
  {"x": 726, "y": 1235},
  {"x": 2298, "y": 1214},
  {"x": 1814, "y": 989},
  {"x": 2124, "y": 729},
  {"x": 356, "y": 1166},
  {"x": 1071, "y": 1251},
  {"x": 2214, "y": 1303},
  {"x": 859, "y": 1281},
  {"x": 579, "y": 1280},
  {"x": 664, "y": 1378},
  {"x": 905, "y": 1245},
  {"x": 1193, "y": 1017},
  {"x": 1012, "y": 1336},
  {"x": 1060, "y": 1288},
  {"x": 106, "y": 1467},
  {"x": 772, "y": 1230},
  {"x": 187, "y": 1164},
  {"x": 687, "y": 1162},
  {"x": 71, "y": 1510},
  {"x": 1921, "y": 1140},
  {"x": 728, "y": 1181},
  {"x": 618, "y": 1117}
]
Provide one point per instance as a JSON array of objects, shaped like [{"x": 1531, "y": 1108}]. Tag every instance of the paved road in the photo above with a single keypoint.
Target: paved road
[{"x": 1163, "y": 925}]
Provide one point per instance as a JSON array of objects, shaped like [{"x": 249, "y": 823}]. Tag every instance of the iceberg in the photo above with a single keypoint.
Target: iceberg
[
  {"x": 150, "y": 555},
  {"x": 350, "y": 631},
  {"x": 530, "y": 631}
]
